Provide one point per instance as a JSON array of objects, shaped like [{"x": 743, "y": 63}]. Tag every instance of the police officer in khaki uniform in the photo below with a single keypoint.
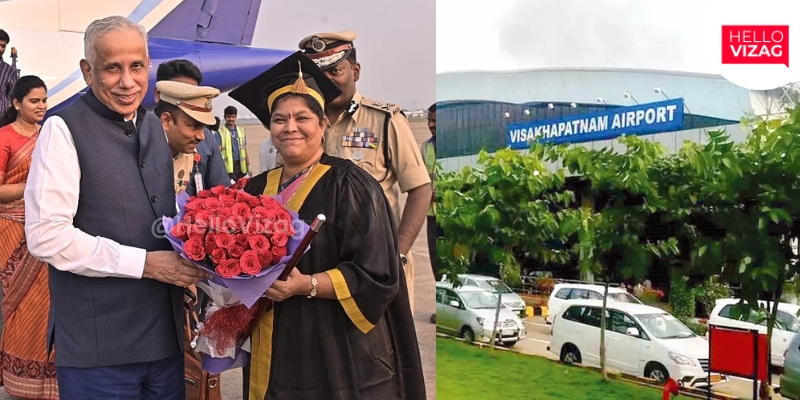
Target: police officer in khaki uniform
[
  {"x": 185, "y": 110},
  {"x": 376, "y": 136}
]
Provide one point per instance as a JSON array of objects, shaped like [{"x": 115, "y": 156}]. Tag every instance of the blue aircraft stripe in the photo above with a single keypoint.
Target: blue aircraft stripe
[
  {"x": 63, "y": 84},
  {"x": 144, "y": 8},
  {"x": 141, "y": 11}
]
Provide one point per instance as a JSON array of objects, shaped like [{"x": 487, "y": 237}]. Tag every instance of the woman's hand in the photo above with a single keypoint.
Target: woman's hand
[{"x": 296, "y": 283}]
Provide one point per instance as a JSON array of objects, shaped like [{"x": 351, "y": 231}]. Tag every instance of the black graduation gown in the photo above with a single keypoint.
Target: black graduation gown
[{"x": 360, "y": 347}]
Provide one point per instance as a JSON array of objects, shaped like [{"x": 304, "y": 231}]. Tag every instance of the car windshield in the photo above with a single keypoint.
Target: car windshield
[
  {"x": 479, "y": 299},
  {"x": 665, "y": 326},
  {"x": 787, "y": 322},
  {"x": 494, "y": 286},
  {"x": 624, "y": 297}
]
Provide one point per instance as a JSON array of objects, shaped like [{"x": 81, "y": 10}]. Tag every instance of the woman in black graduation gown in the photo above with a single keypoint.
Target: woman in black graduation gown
[{"x": 341, "y": 326}]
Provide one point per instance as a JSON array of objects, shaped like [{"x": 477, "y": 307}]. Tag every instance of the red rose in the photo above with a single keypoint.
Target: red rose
[
  {"x": 224, "y": 240},
  {"x": 249, "y": 263},
  {"x": 260, "y": 211},
  {"x": 194, "y": 249},
  {"x": 216, "y": 223},
  {"x": 258, "y": 243},
  {"x": 193, "y": 204},
  {"x": 241, "y": 240},
  {"x": 278, "y": 253},
  {"x": 189, "y": 216},
  {"x": 235, "y": 251},
  {"x": 254, "y": 227},
  {"x": 241, "y": 182},
  {"x": 253, "y": 202},
  {"x": 180, "y": 231},
  {"x": 224, "y": 212},
  {"x": 227, "y": 200},
  {"x": 268, "y": 213},
  {"x": 204, "y": 194},
  {"x": 269, "y": 227},
  {"x": 279, "y": 239},
  {"x": 269, "y": 202},
  {"x": 265, "y": 258},
  {"x": 284, "y": 215},
  {"x": 197, "y": 230},
  {"x": 235, "y": 224},
  {"x": 211, "y": 203},
  {"x": 243, "y": 197},
  {"x": 241, "y": 210},
  {"x": 219, "y": 255},
  {"x": 210, "y": 243},
  {"x": 282, "y": 227},
  {"x": 218, "y": 190},
  {"x": 203, "y": 217},
  {"x": 228, "y": 268},
  {"x": 231, "y": 191}
]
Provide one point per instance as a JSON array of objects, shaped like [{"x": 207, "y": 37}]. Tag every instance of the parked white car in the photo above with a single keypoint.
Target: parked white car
[
  {"x": 788, "y": 324},
  {"x": 566, "y": 293},
  {"x": 640, "y": 340},
  {"x": 494, "y": 285},
  {"x": 469, "y": 312}
]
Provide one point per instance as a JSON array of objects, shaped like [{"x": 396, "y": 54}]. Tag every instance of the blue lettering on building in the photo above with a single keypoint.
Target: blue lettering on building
[{"x": 643, "y": 119}]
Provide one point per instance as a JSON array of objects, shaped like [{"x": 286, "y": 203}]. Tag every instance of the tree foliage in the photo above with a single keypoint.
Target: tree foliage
[{"x": 713, "y": 209}]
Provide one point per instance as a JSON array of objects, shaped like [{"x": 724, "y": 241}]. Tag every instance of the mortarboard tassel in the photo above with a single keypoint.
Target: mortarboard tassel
[{"x": 300, "y": 84}]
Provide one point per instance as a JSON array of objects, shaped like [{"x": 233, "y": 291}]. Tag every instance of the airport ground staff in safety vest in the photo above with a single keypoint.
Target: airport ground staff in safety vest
[{"x": 234, "y": 141}]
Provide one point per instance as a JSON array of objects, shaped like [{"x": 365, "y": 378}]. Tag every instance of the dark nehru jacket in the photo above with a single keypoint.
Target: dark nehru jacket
[{"x": 126, "y": 186}]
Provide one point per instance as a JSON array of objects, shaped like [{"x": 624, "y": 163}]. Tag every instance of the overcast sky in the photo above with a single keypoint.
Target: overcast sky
[
  {"x": 524, "y": 34},
  {"x": 396, "y": 42}
]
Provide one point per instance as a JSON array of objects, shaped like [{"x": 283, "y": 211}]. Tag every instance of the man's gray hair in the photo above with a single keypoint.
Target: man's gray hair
[{"x": 100, "y": 27}]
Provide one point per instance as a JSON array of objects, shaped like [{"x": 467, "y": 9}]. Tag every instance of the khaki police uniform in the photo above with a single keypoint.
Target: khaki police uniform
[
  {"x": 195, "y": 101},
  {"x": 369, "y": 131}
]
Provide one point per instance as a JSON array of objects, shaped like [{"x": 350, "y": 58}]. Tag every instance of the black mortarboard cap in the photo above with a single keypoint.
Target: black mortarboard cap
[{"x": 259, "y": 93}]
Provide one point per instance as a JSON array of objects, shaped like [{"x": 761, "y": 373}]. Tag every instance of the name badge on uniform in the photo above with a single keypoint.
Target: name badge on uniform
[
  {"x": 198, "y": 181},
  {"x": 360, "y": 137}
]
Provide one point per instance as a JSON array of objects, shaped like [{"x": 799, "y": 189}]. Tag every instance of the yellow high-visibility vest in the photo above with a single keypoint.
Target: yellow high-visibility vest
[{"x": 227, "y": 149}]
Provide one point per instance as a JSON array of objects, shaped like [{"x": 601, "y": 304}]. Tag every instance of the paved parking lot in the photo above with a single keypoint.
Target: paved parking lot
[{"x": 538, "y": 339}]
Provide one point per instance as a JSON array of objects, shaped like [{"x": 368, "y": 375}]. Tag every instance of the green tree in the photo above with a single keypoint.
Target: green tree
[
  {"x": 503, "y": 206},
  {"x": 749, "y": 209},
  {"x": 615, "y": 207}
]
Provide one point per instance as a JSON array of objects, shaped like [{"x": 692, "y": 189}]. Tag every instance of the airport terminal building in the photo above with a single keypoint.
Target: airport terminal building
[{"x": 593, "y": 107}]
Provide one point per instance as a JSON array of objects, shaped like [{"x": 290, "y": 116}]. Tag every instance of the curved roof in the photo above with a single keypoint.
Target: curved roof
[{"x": 704, "y": 94}]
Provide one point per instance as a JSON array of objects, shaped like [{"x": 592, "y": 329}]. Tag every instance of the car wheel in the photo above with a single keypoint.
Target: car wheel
[
  {"x": 656, "y": 372},
  {"x": 468, "y": 334},
  {"x": 570, "y": 354}
]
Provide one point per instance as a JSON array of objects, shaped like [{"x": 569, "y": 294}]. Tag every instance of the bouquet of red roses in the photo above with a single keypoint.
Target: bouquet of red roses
[{"x": 245, "y": 241}]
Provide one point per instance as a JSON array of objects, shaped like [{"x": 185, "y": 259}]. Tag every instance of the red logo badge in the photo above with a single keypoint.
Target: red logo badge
[{"x": 755, "y": 44}]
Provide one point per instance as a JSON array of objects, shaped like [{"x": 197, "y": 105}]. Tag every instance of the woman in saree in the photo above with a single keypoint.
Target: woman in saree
[
  {"x": 340, "y": 327},
  {"x": 26, "y": 370}
]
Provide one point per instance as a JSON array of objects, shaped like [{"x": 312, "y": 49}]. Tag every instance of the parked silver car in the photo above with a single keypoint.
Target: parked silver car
[
  {"x": 494, "y": 285},
  {"x": 469, "y": 312}
]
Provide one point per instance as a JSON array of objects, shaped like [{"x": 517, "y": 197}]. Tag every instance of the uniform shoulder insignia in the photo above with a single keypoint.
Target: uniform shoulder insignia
[{"x": 378, "y": 105}]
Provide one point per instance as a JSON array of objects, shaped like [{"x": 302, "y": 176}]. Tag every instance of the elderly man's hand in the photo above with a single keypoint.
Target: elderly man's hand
[{"x": 170, "y": 267}]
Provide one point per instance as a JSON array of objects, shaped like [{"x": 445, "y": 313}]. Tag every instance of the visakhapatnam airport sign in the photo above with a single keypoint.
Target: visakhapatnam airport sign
[{"x": 642, "y": 119}]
